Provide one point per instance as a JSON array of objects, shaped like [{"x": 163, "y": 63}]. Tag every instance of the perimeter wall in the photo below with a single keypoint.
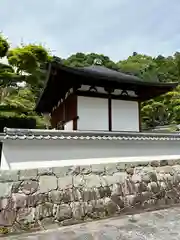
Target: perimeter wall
[{"x": 39, "y": 199}]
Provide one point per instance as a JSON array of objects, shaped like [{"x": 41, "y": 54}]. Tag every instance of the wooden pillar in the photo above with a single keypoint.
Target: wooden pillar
[
  {"x": 110, "y": 112},
  {"x": 75, "y": 109},
  {"x": 139, "y": 113}
]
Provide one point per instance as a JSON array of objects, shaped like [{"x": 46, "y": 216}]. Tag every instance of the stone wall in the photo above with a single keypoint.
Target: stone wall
[{"x": 47, "y": 198}]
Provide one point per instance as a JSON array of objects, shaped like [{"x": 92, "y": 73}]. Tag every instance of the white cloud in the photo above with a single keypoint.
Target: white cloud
[{"x": 112, "y": 27}]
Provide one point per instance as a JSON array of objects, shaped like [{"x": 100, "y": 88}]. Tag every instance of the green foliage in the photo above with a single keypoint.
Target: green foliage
[
  {"x": 84, "y": 60},
  {"x": 25, "y": 64},
  {"x": 27, "y": 58},
  {"x": 4, "y": 46}
]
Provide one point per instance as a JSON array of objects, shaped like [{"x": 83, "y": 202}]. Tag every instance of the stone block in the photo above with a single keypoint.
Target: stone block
[
  {"x": 171, "y": 162},
  {"x": 98, "y": 169},
  {"x": 176, "y": 169},
  {"x": 64, "y": 211},
  {"x": 29, "y": 187},
  {"x": 161, "y": 202},
  {"x": 129, "y": 200},
  {"x": 142, "y": 187},
  {"x": 28, "y": 174},
  {"x": 19, "y": 200},
  {"x": 130, "y": 170},
  {"x": 98, "y": 209},
  {"x": 118, "y": 200},
  {"x": 110, "y": 168},
  {"x": 110, "y": 206},
  {"x": 128, "y": 187},
  {"x": 56, "y": 196},
  {"x": 92, "y": 181},
  {"x": 6, "y": 189},
  {"x": 165, "y": 169},
  {"x": 168, "y": 177},
  {"x": 155, "y": 163},
  {"x": 88, "y": 208},
  {"x": 86, "y": 169},
  {"x": 176, "y": 178},
  {"x": 146, "y": 196},
  {"x": 104, "y": 192},
  {"x": 25, "y": 216},
  {"x": 153, "y": 187},
  {"x": 47, "y": 183},
  {"x": 86, "y": 195},
  {"x": 162, "y": 185},
  {"x": 10, "y": 204},
  {"x": 4, "y": 203},
  {"x": 78, "y": 181},
  {"x": 160, "y": 177},
  {"x": 67, "y": 196},
  {"x": 7, "y": 217},
  {"x": 116, "y": 189},
  {"x": 153, "y": 176},
  {"x": 77, "y": 210},
  {"x": 141, "y": 164},
  {"x": 121, "y": 166},
  {"x": 61, "y": 171},
  {"x": 49, "y": 223},
  {"x": 163, "y": 162},
  {"x": 9, "y": 175},
  {"x": 36, "y": 198},
  {"x": 136, "y": 178},
  {"x": 16, "y": 187},
  {"x": 74, "y": 170},
  {"x": 77, "y": 196},
  {"x": 146, "y": 177},
  {"x": 45, "y": 171},
  {"x": 65, "y": 182},
  {"x": 177, "y": 161},
  {"x": 44, "y": 210},
  {"x": 118, "y": 177},
  {"x": 143, "y": 170}
]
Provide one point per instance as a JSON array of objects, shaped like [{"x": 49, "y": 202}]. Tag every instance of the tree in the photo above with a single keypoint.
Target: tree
[
  {"x": 25, "y": 64},
  {"x": 140, "y": 65},
  {"x": 84, "y": 60},
  {"x": 4, "y": 46},
  {"x": 30, "y": 62}
]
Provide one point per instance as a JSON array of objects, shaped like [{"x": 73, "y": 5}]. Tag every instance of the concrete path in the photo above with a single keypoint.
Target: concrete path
[{"x": 157, "y": 225}]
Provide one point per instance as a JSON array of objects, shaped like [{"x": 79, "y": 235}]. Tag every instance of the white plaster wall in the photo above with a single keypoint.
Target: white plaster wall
[
  {"x": 93, "y": 113},
  {"x": 68, "y": 125},
  {"x": 125, "y": 115},
  {"x": 19, "y": 154}
]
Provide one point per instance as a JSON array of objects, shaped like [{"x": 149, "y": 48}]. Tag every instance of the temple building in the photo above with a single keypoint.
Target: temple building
[
  {"x": 96, "y": 98},
  {"x": 95, "y": 116}
]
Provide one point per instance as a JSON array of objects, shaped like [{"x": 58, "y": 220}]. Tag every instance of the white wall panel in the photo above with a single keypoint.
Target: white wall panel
[
  {"x": 125, "y": 115},
  {"x": 93, "y": 113}
]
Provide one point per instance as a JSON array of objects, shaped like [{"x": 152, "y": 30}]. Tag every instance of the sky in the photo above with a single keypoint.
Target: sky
[{"x": 115, "y": 28}]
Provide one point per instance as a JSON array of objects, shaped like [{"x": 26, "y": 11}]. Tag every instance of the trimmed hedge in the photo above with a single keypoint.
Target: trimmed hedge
[{"x": 17, "y": 122}]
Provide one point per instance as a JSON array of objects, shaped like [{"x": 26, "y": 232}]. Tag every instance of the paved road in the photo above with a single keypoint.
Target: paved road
[{"x": 160, "y": 225}]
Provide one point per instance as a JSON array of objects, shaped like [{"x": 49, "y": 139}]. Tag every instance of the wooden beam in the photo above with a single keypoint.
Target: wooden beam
[{"x": 103, "y": 95}]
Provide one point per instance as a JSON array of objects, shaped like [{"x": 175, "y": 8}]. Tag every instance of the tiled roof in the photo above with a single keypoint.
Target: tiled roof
[{"x": 31, "y": 134}]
